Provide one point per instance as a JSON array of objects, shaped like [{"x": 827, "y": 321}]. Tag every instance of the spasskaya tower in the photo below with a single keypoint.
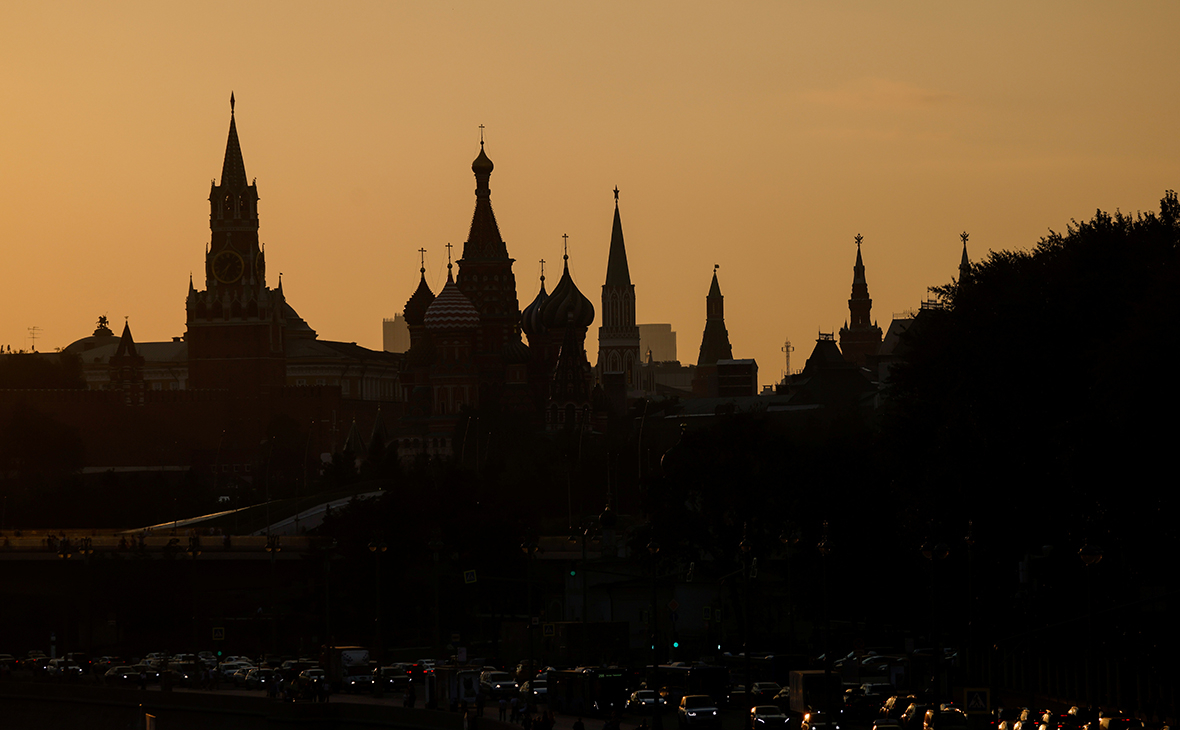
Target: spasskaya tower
[{"x": 235, "y": 324}]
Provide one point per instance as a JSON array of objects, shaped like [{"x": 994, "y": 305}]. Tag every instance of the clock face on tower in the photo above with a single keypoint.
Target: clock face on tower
[{"x": 228, "y": 267}]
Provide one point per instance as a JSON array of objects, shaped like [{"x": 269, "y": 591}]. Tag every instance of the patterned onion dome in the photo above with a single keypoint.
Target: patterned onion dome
[
  {"x": 530, "y": 318},
  {"x": 567, "y": 305},
  {"x": 451, "y": 310},
  {"x": 415, "y": 310}
]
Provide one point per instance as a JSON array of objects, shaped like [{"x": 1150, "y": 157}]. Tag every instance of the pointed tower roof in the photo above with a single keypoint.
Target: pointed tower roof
[
  {"x": 483, "y": 240},
  {"x": 858, "y": 269},
  {"x": 233, "y": 169},
  {"x": 378, "y": 436},
  {"x": 126, "y": 343},
  {"x": 715, "y": 339},
  {"x": 714, "y": 288},
  {"x": 617, "y": 273},
  {"x": 355, "y": 443}
]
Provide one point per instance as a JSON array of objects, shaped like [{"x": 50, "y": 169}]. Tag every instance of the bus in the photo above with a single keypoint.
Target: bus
[{"x": 589, "y": 691}]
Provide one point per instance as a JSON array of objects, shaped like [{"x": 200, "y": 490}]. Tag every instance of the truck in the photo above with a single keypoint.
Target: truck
[{"x": 339, "y": 662}]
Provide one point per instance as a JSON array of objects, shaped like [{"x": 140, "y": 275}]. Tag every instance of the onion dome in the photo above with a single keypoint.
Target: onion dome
[
  {"x": 483, "y": 164},
  {"x": 516, "y": 352},
  {"x": 530, "y": 318},
  {"x": 566, "y": 305},
  {"x": 419, "y": 302},
  {"x": 451, "y": 310}
]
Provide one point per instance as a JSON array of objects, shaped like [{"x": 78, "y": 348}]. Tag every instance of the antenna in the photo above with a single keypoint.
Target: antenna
[
  {"x": 33, "y": 337},
  {"x": 787, "y": 349}
]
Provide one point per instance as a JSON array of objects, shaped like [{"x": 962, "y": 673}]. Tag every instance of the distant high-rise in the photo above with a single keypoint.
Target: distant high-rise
[
  {"x": 659, "y": 340},
  {"x": 395, "y": 334},
  {"x": 618, "y": 337},
  {"x": 860, "y": 337}
]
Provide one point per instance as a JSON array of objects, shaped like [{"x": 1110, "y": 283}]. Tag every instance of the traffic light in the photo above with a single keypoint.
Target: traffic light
[
  {"x": 675, "y": 644},
  {"x": 573, "y": 572}
]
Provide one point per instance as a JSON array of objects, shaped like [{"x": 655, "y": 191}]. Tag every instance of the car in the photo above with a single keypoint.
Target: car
[
  {"x": 313, "y": 676},
  {"x": 815, "y": 720},
  {"x": 698, "y": 711},
  {"x": 360, "y": 682},
  {"x": 946, "y": 718},
  {"x": 498, "y": 684},
  {"x": 260, "y": 678},
  {"x": 767, "y": 717},
  {"x": 644, "y": 700},
  {"x": 763, "y": 691},
  {"x": 122, "y": 674},
  {"x": 535, "y": 690}
]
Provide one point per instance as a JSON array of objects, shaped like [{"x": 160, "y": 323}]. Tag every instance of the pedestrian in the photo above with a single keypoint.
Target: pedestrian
[
  {"x": 479, "y": 703},
  {"x": 515, "y": 709},
  {"x": 503, "y": 710},
  {"x": 411, "y": 697},
  {"x": 143, "y": 679},
  {"x": 579, "y": 725}
]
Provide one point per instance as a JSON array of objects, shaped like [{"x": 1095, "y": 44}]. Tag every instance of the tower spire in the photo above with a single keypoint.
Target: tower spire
[
  {"x": 233, "y": 169},
  {"x": 964, "y": 263},
  {"x": 859, "y": 337},
  {"x": 617, "y": 272}
]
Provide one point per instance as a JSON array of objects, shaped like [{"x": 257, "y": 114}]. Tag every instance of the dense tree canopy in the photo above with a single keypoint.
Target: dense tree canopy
[{"x": 1038, "y": 400}]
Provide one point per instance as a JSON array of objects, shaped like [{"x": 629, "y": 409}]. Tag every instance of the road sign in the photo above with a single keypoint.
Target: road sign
[
  {"x": 548, "y": 630},
  {"x": 708, "y": 613},
  {"x": 976, "y": 700},
  {"x": 673, "y": 605},
  {"x": 469, "y": 576},
  {"x": 219, "y": 633},
  {"x": 454, "y": 638}
]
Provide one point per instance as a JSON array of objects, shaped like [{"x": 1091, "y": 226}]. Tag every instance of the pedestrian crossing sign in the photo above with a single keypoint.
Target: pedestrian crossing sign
[
  {"x": 976, "y": 700},
  {"x": 219, "y": 633},
  {"x": 469, "y": 576}
]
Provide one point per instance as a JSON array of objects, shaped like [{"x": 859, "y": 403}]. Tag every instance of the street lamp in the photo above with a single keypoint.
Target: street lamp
[
  {"x": 789, "y": 537},
  {"x": 435, "y": 546},
  {"x": 657, "y": 721},
  {"x": 377, "y": 546},
  {"x": 933, "y": 553},
  {"x": 1090, "y": 555},
  {"x": 748, "y": 571},
  {"x": 530, "y": 549},
  {"x": 825, "y": 548}
]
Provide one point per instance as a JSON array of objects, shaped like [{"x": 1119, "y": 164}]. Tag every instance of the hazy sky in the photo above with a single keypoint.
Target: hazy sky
[{"x": 761, "y": 136}]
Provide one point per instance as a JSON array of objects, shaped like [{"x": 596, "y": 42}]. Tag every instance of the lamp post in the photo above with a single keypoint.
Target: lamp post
[
  {"x": 530, "y": 548},
  {"x": 825, "y": 548},
  {"x": 274, "y": 546},
  {"x": 969, "y": 541},
  {"x": 1090, "y": 555},
  {"x": 436, "y": 546},
  {"x": 933, "y": 553},
  {"x": 745, "y": 546},
  {"x": 378, "y": 547},
  {"x": 657, "y": 721},
  {"x": 790, "y": 537}
]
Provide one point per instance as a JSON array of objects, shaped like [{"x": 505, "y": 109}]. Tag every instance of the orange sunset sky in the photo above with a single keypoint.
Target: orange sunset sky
[{"x": 761, "y": 136}]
